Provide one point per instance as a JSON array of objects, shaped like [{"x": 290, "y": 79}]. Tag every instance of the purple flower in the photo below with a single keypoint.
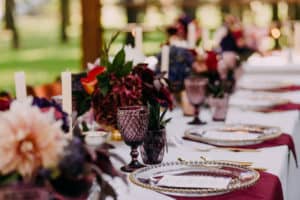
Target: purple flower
[{"x": 45, "y": 105}]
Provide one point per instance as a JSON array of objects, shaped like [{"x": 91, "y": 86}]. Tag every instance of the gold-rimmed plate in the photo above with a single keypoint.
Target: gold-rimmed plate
[
  {"x": 238, "y": 177},
  {"x": 233, "y": 134}
]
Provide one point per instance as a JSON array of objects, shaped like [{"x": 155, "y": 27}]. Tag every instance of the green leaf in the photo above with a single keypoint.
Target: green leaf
[
  {"x": 84, "y": 126},
  {"x": 119, "y": 60},
  {"x": 82, "y": 101},
  {"x": 112, "y": 39},
  {"x": 7, "y": 179},
  {"x": 104, "y": 90},
  {"x": 154, "y": 122},
  {"x": 103, "y": 83},
  {"x": 125, "y": 70},
  {"x": 105, "y": 51},
  {"x": 164, "y": 123},
  {"x": 163, "y": 114}
]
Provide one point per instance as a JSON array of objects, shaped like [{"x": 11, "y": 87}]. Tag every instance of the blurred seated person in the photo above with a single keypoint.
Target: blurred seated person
[
  {"x": 178, "y": 32},
  {"x": 231, "y": 37}
]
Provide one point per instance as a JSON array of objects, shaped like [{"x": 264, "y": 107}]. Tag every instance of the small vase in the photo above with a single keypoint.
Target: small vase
[
  {"x": 153, "y": 148},
  {"x": 219, "y": 107}
]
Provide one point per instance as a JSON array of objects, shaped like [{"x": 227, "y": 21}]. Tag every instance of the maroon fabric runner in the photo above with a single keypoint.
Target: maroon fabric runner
[
  {"x": 286, "y": 89},
  {"x": 283, "y": 107},
  {"x": 268, "y": 187},
  {"x": 283, "y": 139}
]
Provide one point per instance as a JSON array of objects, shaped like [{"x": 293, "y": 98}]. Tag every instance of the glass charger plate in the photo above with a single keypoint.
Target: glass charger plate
[
  {"x": 240, "y": 177},
  {"x": 233, "y": 134}
]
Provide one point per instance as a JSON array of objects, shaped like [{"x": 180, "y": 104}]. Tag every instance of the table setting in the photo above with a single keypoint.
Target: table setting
[{"x": 121, "y": 129}]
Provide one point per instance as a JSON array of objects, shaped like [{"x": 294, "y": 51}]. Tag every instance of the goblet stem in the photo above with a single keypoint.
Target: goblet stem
[
  {"x": 134, "y": 154},
  {"x": 134, "y": 164},
  {"x": 196, "y": 120}
]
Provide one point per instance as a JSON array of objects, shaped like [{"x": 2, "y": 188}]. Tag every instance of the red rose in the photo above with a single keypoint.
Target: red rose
[
  {"x": 211, "y": 61},
  {"x": 90, "y": 81}
]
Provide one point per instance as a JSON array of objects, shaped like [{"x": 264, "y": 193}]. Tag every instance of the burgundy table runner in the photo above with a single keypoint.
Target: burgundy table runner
[
  {"x": 283, "y": 139},
  {"x": 283, "y": 107},
  {"x": 268, "y": 187},
  {"x": 286, "y": 89}
]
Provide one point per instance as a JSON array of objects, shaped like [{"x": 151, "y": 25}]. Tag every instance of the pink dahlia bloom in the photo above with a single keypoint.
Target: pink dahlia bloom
[{"x": 30, "y": 139}]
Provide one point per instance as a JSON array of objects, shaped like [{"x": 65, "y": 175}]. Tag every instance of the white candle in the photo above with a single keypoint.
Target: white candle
[
  {"x": 205, "y": 38},
  {"x": 165, "y": 54},
  {"x": 20, "y": 84},
  {"x": 191, "y": 35},
  {"x": 138, "y": 38},
  {"x": 297, "y": 37},
  {"x": 66, "y": 79}
]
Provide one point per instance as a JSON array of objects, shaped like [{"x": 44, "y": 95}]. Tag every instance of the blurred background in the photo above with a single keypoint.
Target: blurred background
[{"x": 44, "y": 37}]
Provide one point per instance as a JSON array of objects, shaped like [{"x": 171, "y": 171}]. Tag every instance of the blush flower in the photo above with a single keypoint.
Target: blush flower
[{"x": 30, "y": 139}]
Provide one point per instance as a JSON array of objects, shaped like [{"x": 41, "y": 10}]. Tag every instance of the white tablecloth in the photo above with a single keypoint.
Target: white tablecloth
[
  {"x": 279, "y": 62},
  {"x": 276, "y": 159}
]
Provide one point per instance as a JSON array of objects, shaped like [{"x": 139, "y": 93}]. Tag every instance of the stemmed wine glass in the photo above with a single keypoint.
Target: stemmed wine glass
[
  {"x": 196, "y": 89},
  {"x": 133, "y": 125}
]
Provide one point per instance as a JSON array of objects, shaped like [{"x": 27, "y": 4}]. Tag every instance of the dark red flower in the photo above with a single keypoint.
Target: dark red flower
[
  {"x": 237, "y": 34},
  {"x": 211, "y": 61},
  {"x": 146, "y": 74},
  {"x": 4, "y": 103},
  {"x": 164, "y": 98},
  {"x": 153, "y": 88},
  {"x": 125, "y": 91}
]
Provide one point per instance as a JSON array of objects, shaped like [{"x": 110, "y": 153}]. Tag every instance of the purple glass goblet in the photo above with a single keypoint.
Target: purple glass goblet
[
  {"x": 196, "y": 90},
  {"x": 133, "y": 125}
]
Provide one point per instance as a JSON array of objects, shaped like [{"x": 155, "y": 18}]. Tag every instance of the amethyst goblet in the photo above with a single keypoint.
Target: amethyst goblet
[
  {"x": 196, "y": 89},
  {"x": 133, "y": 125}
]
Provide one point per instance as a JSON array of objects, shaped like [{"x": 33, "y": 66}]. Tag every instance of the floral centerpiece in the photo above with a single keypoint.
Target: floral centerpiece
[
  {"x": 219, "y": 70},
  {"x": 107, "y": 87},
  {"x": 37, "y": 162},
  {"x": 156, "y": 95},
  {"x": 117, "y": 83}
]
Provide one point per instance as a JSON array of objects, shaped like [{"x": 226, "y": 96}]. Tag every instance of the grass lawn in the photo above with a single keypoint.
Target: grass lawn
[{"x": 41, "y": 54}]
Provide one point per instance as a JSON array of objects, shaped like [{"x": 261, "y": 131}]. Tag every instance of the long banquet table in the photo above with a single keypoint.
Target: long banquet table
[
  {"x": 277, "y": 63},
  {"x": 277, "y": 160}
]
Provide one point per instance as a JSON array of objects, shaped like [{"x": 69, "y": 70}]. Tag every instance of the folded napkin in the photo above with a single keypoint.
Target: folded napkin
[
  {"x": 268, "y": 187},
  {"x": 283, "y": 139}
]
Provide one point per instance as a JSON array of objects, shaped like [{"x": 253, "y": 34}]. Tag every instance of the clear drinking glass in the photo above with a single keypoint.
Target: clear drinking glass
[{"x": 196, "y": 90}]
